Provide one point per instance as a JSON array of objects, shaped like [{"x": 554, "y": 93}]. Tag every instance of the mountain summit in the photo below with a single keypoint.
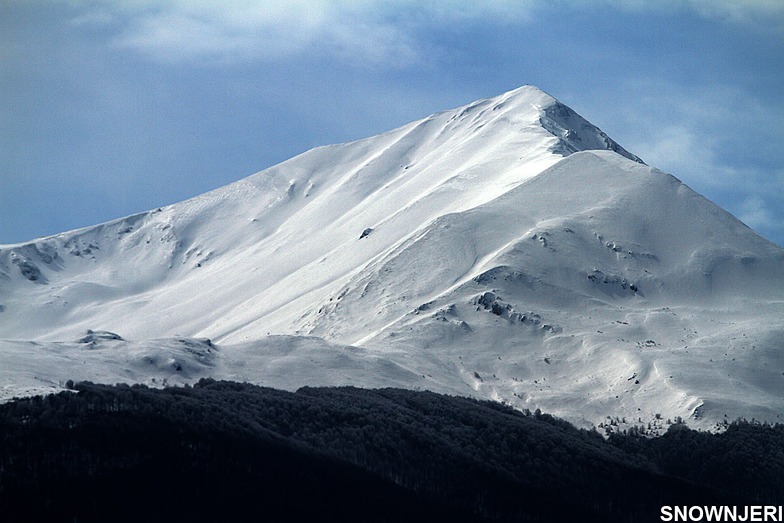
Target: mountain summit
[{"x": 506, "y": 249}]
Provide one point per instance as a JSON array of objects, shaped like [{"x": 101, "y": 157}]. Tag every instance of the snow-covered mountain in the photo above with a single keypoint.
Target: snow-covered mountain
[{"x": 506, "y": 249}]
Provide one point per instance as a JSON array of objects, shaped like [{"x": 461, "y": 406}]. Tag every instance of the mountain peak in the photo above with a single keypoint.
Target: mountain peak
[
  {"x": 506, "y": 249},
  {"x": 575, "y": 133},
  {"x": 528, "y": 93},
  {"x": 528, "y": 105}
]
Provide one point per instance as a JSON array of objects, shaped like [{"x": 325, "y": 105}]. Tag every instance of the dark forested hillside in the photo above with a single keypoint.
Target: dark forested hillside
[{"x": 222, "y": 450}]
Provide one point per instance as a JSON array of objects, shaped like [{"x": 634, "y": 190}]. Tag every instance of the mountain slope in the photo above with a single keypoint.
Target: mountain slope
[
  {"x": 242, "y": 237},
  {"x": 506, "y": 249}
]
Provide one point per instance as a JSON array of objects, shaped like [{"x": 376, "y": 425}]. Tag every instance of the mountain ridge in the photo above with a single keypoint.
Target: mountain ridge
[{"x": 506, "y": 249}]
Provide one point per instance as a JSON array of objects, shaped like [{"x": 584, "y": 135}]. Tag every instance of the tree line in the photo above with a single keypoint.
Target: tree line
[{"x": 233, "y": 450}]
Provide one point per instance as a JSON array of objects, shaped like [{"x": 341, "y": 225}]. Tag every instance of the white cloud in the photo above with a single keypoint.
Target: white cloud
[
  {"x": 755, "y": 212},
  {"x": 755, "y": 13},
  {"x": 390, "y": 32},
  {"x": 95, "y": 18},
  {"x": 720, "y": 140},
  {"x": 688, "y": 130},
  {"x": 675, "y": 148},
  {"x": 242, "y": 30},
  {"x": 374, "y": 32}
]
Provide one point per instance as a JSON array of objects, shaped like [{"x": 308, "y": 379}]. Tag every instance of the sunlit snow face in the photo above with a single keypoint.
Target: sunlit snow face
[{"x": 507, "y": 249}]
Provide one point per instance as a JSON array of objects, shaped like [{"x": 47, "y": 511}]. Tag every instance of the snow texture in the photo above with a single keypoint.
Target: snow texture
[{"x": 507, "y": 249}]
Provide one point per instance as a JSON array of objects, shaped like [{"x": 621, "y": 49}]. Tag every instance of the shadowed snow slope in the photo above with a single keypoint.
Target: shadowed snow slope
[{"x": 506, "y": 249}]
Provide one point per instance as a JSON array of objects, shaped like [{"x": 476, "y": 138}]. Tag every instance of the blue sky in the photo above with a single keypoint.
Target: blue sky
[{"x": 114, "y": 107}]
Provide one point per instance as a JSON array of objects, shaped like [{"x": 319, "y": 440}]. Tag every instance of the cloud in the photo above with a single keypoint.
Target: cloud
[
  {"x": 96, "y": 18},
  {"x": 707, "y": 130},
  {"x": 755, "y": 14},
  {"x": 676, "y": 148},
  {"x": 752, "y": 13},
  {"x": 720, "y": 140},
  {"x": 238, "y": 31},
  {"x": 755, "y": 212},
  {"x": 393, "y": 33}
]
